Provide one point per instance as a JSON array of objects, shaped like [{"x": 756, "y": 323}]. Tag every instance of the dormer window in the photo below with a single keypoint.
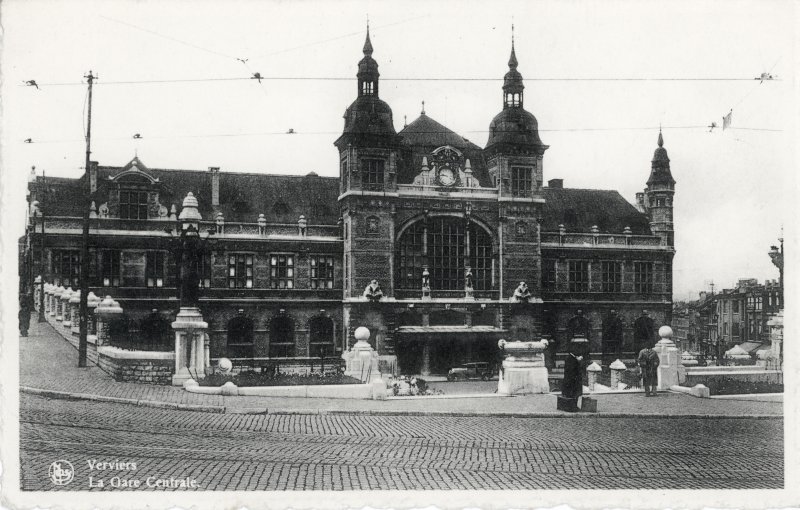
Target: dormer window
[{"x": 133, "y": 205}]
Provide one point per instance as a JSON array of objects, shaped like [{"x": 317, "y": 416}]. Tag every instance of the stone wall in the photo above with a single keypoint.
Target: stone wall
[{"x": 137, "y": 369}]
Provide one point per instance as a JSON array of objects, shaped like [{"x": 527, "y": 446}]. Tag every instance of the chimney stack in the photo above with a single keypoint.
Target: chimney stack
[
  {"x": 556, "y": 183},
  {"x": 92, "y": 176},
  {"x": 214, "y": 185}
]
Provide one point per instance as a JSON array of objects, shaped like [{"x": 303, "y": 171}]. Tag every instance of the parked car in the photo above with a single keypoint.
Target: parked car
[{"x": 478, "y": 370}]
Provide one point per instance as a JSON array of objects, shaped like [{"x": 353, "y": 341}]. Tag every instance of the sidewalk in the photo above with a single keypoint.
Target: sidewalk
[{"x": 49, "y": 367}]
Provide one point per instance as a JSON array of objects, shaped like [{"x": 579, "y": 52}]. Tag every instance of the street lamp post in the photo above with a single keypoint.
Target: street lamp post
[{"x": 191, "y": 354}]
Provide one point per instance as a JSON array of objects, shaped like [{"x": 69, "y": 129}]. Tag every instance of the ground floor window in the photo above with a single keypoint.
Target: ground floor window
[
  {"x": 281, "y": 337},
  {"x": 66, "y": 268},
  {"x": 240, "y": 337},
  {"x": 321, "y": 341},
  {"x": 110, "y": 268}
]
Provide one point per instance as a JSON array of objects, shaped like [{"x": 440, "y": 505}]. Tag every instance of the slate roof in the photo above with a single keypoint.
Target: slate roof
[
  {"x": 579, "y": 209},
  {"x": 425, "y": 134},
  {"x": 283, "y": 198}
]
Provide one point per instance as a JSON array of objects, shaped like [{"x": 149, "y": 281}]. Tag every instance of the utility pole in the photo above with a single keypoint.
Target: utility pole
[
  {"x": 42, "y": 257},
  {"x": 84, "y": 275}
]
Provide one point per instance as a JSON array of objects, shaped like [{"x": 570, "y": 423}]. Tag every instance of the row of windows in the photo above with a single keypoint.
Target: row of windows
[
  {"x": 65, "y": 270},
  {"x": 611, "y": 276}
]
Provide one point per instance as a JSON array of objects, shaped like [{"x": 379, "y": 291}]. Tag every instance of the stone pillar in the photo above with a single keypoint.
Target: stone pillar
[
  {"x": 668, "y": 358},
  {"x": 47, "y": 293},
  {"x": 775, "y": 357},
  {"x": 106, "y": 311},
  {"x": 426, "y": 358},
  {"x": 593, "y": 371},
  {"x": 617, "y": 369},
  {"x": 361, "y": 360},
  {"x": 92, "y": 301},
  {"x": 65, "y": 316},
  {"x": 190, "y": 354},
  {"x": 57, "y": 303},
  {"x": 37, "y": 291},
  {"x": 74, "y": 313},
  {"x": 523, "y": 371}
]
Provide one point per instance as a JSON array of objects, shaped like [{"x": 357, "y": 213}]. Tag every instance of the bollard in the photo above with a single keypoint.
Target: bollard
[
  {"x": 592, "y": 373},
  {"x": 617, "y": 368}
]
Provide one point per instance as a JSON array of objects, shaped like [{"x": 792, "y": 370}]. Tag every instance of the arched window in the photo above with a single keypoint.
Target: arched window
[
  {"x": 281, "y": 337},
  {"x": 240, "y": 337},
  {"x": 446, "y": 252},
  {"x": 320, "y": 337}
]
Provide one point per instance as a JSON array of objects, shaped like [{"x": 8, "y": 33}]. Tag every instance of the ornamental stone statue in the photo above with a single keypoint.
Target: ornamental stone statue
[
  {"x": 373, "y": 291},
  {"x": 522, "y": 294}
]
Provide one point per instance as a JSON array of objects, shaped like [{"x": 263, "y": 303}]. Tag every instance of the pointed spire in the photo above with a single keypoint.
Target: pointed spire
[
  {"x": 368, "y": 43},
  {"x": 512, "y": 61},
  {"x": 660, "y": 138}
]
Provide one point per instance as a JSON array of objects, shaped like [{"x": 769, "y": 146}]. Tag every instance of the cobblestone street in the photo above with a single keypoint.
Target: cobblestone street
[{"x": 341, "y": 452}]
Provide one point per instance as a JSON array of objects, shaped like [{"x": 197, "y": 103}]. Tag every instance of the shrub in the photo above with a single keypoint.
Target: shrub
[{"x": 252, "y": 378}]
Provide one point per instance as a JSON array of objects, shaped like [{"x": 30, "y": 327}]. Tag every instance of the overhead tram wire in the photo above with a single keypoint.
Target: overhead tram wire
[
  {"x": 422, "y": 78},
  {"x": 476, "y": 131}
]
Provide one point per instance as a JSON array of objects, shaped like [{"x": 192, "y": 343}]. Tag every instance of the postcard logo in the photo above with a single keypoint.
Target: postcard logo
[{"x": 61, "y": 472}]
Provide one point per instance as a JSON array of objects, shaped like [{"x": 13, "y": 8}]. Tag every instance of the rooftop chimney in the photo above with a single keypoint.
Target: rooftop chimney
[
  {"x": 555, "y": 183},
  {"x": 214, "y": 185},
  {"x": 92, "y": 176}
]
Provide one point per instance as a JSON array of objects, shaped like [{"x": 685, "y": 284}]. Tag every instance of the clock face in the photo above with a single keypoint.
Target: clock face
[{"x": 446, "y": 177}]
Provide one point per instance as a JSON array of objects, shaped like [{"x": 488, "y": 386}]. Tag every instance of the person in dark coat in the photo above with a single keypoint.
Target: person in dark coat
[
  {"x": 572, "y": 386},
  {"x": 24, "y": 314},
  {"x": 648, "y": 361}
]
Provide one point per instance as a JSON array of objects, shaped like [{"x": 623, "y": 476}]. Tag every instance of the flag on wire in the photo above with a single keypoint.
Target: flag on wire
[{"x": 726, "y": 121}]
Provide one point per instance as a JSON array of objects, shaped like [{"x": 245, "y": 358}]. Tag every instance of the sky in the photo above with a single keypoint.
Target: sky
[{"x": 594, "y": 74}]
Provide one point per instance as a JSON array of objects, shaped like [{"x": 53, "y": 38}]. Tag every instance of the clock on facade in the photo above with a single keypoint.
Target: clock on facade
[{"x": 446, "y": 176}]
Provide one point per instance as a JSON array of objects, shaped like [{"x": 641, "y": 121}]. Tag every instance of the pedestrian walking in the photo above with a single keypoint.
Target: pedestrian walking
[{"x": 648, "y": 361}]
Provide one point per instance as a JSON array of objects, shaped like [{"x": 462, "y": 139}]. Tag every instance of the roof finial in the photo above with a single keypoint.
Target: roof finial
[
  {"x": 660, "y": 137},
  {"x": 367, "y": 43},
  {"x": 423, "y": 107},
  {"x": 405, "y": 121}
]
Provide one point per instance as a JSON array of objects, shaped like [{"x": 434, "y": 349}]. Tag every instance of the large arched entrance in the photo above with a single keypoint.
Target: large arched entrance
[{"x": 444, "y": 245}]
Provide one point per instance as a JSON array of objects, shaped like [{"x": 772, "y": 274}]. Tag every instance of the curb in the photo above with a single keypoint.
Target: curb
[{"x": 63, "y": 395}]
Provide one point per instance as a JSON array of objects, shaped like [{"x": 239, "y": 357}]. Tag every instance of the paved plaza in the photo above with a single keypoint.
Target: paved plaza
[
  {"x": 350, "y": 452},
  {"x": 674, "y": 441}
]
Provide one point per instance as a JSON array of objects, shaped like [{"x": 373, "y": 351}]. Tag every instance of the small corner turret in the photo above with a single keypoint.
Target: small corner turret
[{"x": 657, "y": 200}]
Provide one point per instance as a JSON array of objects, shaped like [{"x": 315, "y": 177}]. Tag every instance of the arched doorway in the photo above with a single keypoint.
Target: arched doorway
[
  {"x": 240, "y": 336},
  {"x": 320, "y": 342},
  {"x": 281, "y": 337}
]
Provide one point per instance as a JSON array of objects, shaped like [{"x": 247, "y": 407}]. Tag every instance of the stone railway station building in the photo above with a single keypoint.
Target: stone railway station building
[{"x": 425, "y": 238}]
